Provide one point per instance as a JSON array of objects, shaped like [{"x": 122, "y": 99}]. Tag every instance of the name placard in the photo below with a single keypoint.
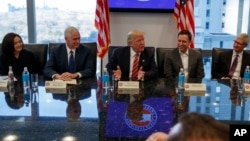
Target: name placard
[
  {"x": 128, "y": 84},
  {"x": 247, "y": 89},
  {"x": 72, "y": 81},
  {"x": 4, "y": 85},
  {"x": 128, "y": 91},
  {"x": 195, "y": 89},
  {"x": 59, "y": 87}
]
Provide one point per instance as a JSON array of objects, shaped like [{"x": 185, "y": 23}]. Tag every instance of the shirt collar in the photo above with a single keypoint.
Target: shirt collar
[
  {"x": 239, "y": 54},
  {"x": 187, "y": 52},
  {"x": 132, "y": 52},
  {"x": 68, "y": 49}
]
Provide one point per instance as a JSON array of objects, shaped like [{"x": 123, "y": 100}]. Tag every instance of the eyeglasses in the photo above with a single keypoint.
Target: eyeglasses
[{"x": 238, "y": 43}]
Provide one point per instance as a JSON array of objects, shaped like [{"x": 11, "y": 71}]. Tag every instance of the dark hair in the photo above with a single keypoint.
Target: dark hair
[
  {"x": 8, "y": 43},
  {"x": 185, "y": 32},
  {"x": 196, "y": 126}
]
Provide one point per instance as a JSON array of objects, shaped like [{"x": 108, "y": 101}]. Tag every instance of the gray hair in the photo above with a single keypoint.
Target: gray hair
[
  {"x": 244, "y": 37},
  {"x": 70, "y": 30}
]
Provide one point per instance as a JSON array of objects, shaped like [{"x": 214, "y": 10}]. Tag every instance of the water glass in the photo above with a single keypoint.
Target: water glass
[{"x": 34, "y": 81}]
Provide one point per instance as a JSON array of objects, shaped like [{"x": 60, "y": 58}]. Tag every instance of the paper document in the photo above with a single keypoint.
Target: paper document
[{"x": 6, "y": 78}]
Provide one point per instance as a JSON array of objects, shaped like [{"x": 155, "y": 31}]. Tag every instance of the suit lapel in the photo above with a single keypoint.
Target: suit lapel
[
  {"x": 65, "y": 57},
  {"x": 178, "y": 58},
  {"x": 126, "y": 55},
  {"x": 142, "y": 60},
  {"x": 190, "y": 59}
]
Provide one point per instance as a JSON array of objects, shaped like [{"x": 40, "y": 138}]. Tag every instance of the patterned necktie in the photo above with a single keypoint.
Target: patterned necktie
[
  {"x": 233, "y": 67},
  {"x": 71, "y": 62},
  {"x": 135, "y": 67}
]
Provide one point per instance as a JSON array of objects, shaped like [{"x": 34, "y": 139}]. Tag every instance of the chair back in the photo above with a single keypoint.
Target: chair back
[
  {"x": 40, "y": 51},
  {"x": 110, "y": 50},
  {"x": 215, "y": 53},
  {"x": 160, "y": 57}
]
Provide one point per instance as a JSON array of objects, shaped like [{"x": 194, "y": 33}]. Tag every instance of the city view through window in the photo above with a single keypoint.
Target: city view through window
[{"x": 51, "y": 17}]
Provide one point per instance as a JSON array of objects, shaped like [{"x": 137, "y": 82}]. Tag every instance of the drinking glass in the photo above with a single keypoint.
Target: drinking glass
[{"x": 34, "y": 81}]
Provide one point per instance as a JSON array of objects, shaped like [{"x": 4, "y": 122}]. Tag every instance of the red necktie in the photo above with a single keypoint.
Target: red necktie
[
  {"x": 135, "y": 67},
  {"x": 233, "y": 67}
]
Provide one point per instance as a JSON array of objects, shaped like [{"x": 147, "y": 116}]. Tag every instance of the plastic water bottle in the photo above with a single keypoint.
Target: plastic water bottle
[
  {"x": 246, "y": 77},
  {"x": 105, "y": 79},
  {"x": 26, "y": 85},
  {"x": 26, "y": 78},
  {"x": 181, "y": 78}
]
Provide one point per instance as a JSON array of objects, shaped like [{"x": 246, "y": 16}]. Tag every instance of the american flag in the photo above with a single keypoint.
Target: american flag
[
  {"x": 102, "y": 24},
  {"x": 184, "y": 14}
]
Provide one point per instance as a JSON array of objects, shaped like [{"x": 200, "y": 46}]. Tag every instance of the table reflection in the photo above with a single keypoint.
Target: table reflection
[
  {"x": 124, "y": 115},
  {"x": 37, "y": 104},
  {"x": 136, "y": 115}
]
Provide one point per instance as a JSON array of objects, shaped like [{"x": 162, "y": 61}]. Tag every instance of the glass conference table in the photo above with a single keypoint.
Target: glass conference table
[{"x": 87, "y": 112}]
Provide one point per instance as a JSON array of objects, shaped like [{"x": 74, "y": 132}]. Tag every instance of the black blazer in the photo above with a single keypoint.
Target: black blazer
[
  {"x": 58, "y": 61},
  {"x": 121, "y": 57},
  {"x": 223, "y": 63}
]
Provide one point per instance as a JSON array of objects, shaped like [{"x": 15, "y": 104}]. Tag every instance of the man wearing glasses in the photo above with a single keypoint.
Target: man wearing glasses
[{"x": 231, "y": 64}]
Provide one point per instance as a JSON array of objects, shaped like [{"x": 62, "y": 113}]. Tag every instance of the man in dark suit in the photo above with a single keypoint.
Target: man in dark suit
[
  {"x": 122, "y": 59},
  {"x": 58, "y": 66},
  {"x": 225, "y": 60},
  {"x": 184, "y": 57}
]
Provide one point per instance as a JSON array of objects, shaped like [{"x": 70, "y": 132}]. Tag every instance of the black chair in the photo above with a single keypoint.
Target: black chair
[
  {"x": 91, "y": 45},
  {"x": 161, "y": 52},
  {"x": 110, "y": 51},
  {"x": 40, "y": 51},
  {"x": 160, "y": 57},
  {"x": 215, "y": 54}
]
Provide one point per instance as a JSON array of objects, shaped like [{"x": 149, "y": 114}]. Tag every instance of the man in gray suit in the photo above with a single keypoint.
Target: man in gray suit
[
  {"x": 58, "y": 66},
  {"x": 184, "y": 57}
]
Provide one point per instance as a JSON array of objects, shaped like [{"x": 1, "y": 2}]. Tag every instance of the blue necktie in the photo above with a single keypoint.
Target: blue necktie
[{"x": 71, "y": 62}]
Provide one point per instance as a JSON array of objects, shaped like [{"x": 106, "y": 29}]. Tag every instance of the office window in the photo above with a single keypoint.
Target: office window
[
  {"x": 224, "y": 2},
  {"x": 221, "y": 44},
  {"x": 222, "y": 25},
  {"x": 207, "y": 110},
  {"x": 208, "y": 99},
  {"x": 208, "y": 2},
  {"x": 208, "y": 89},
  {"x": 198, "y": 100},
  {"x": 198, "y": 109},
  {"x": 208, "y": 13},
  {"x": 51, "y": 17},
  {"x": 207, "y": 25},
  {"x": 13, "y": 17}
]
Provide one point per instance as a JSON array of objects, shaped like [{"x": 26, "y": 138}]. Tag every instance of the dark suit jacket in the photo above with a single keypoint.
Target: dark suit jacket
[
  {"x": 121, "y": 57},
  {"x": 58, "y": 61},
  {"x": 173, "y": 63},
  {"x": 223, "y": 63}
]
